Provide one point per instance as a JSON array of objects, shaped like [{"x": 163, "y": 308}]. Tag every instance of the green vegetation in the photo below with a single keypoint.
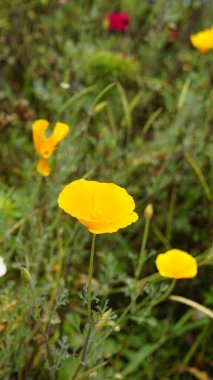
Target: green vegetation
[{"x": 139, "y": 107}]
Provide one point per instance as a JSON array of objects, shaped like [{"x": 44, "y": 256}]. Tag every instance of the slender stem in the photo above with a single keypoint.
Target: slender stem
[
  {"x": 85, "y": 374},
  {"x": 143, "y": 246},
  {"x": 194, "y": 346},
  {"x": 125, "y": 312},
  {"x": 42, "y": 331},
  {"x": 83, "y": 353},
  {"x": 166, "y": 294},
  {"x": 92, "y": 254},
  {"x": 192, "y": 304}
]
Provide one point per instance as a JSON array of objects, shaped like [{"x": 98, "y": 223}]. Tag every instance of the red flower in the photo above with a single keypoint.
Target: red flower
[
  {"x": 173, "y": 33},
  {"x": 118, "y": 21}
]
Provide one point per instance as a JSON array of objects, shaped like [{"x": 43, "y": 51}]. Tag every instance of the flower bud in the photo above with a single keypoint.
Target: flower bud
[
  {"x": 118, "y": 376},
  {"x": 25, "y": 275},
  {"x": 104, "y": 320},
  {"x": 148, "y": 211}
]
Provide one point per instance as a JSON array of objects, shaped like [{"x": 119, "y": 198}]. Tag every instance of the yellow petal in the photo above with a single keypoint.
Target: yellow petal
[
  {"x": 203, "y": 41},
  {"x": 43, "y": 167},
  {"x": 39, "y": 127},
  {"x": 99, "y": 228},
  {"x": 61, "y": 130},
  {"x": 101, "y": 207},
  {"x": 176, "y": 264},
  {"x": 47, "y": 147},
  {"x": 49, "y": 144}
]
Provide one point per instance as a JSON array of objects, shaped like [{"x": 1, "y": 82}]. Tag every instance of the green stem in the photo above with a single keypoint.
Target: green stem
[
  {"x": 166, "y": 294},
  {"x": 194, "y": 346},
  {"x": 83, "y": 353},
  {"x": 125, "y": 312},
  {"x": 91, "y": 264},
  {"x": 143, "y": 246},
  {"x": 42, "y": 331}
]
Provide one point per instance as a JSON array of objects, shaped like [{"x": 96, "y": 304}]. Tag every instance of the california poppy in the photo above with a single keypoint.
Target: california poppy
[
  {"x": 45, "y": 146},
  {"x": 203, "y": 41},
  {"x": 101, "y": 207},
  {"x": 176, "y": 264}
]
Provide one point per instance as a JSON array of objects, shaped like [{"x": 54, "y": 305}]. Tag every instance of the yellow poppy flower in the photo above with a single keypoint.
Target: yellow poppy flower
[
  {"x": 101, "y": 207},
  {"x": 45, "y": 146},
  {"x": 176, "y": 264},
  {"x": 203, "y": 41}
]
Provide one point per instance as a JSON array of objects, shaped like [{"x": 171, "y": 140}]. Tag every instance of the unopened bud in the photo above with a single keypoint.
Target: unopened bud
[
  {"x": 148, "y": 211},
  {"x": 118, "y": 376},
  {"x": 104, "y": 320},
  {"x": 93, "y": 374},
  {"x": 25, "y": 275}
]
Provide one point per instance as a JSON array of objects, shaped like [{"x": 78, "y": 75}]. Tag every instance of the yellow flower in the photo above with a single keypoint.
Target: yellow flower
[
  {"x": 203, "y": 41},
  {"x": 176, "y": 264},
  {"x": 101, "y": 207},
  {"x": 45, "y": 146}
]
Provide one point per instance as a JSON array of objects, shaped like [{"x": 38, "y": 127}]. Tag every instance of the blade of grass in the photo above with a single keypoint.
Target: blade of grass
[
  {"x": 193, "y": 304},
  {"x": 200, "y": 175},
  {"x": 126, "y": 107},
  {"x": 151, "y": 120},
  {"x": 99, "y": 97},
  {"x": 183, "y": 93},
  {"x": 75, "y": 98}
]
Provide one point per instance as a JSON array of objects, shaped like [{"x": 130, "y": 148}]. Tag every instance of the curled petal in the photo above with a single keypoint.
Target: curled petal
[
  {"x": 45, "y": 146},
  {"x": 43, "y": 167},
  {"x": 61, "y": 130},
  {"x": 39, "y": 127},
  {"x": 98, "y": 228}
]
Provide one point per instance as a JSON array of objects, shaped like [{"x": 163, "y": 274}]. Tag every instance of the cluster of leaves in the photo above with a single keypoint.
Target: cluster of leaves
[{"x": 140, "y": 109}]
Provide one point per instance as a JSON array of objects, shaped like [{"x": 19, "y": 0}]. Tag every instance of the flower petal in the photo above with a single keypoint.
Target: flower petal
[
  {"x": 3, "y": 267},
  {"x": 176, "y": 264},
  {"x": 39, "y": 127},
  {"x": 97, "y": 228},
  {"x": 203, "y": 41},
  {"x": 61, "y": 130},
  {"x": 43, "y": 167},
  {"x": 47, "y": 147}
]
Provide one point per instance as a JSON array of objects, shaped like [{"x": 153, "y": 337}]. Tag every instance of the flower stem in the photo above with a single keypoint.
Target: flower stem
[
  {"x": 143, "y": 246},
  {"x": 91, "y": 264},
  {"x": 41, "y": 329},
  {"x": 166, "y": 294},
  {"x": 84, "y": 351}
]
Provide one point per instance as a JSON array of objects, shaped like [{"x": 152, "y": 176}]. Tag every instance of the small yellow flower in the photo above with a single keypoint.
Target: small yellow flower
[
  {"x": 45, "y": 146},
  {"x": 176, "y": 264},
  {"x": 203, "y": 41},
  {"x": 101, "y": 207}
]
